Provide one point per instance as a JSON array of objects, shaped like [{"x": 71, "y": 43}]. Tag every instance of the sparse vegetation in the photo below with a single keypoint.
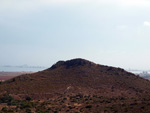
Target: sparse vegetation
[
  {"x": 6, "y": 99},
  {"x": 76, "y": 86},
  {"x": 94, "y": 105}
]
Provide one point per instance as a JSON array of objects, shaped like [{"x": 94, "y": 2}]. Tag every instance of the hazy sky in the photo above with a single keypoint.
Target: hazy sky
[{"x": 109, "y": 32}]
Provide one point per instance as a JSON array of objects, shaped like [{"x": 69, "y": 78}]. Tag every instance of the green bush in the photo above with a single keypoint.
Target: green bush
[
  {"x": 28, "y": 110},
  {"x": 4, "y": 109},
  {"x": 6, "y": 99},
  {"x": 14, "y": 102},
  {"x": 25, "y": 104}
]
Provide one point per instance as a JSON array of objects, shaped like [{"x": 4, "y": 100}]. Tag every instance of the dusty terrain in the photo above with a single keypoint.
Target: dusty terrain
[
  {"x": 8, "y": 75},
  {"x": 76, "y": 86}
]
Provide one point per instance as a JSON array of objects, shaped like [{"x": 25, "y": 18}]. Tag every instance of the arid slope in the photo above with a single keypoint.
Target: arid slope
[{"x": 78, "y": 76}]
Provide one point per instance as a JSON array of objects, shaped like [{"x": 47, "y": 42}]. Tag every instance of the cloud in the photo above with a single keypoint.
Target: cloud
[
  {"x": 146, "y": 23},
  {"x": 136, "y": 2},
  {"x": 28, "y": 5},
  {"x": 33, "y": 5},
  {"x": 61, "y": 1},
  {"x": 121, "y": 27}
]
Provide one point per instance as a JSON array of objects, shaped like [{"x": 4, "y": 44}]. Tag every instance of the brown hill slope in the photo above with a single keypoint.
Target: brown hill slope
[{"x": 77, "y": 76}]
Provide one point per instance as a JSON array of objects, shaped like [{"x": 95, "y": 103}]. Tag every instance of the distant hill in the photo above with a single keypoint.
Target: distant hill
[
  {"x": 78, "y": 77},
  {"x": 144, "y": 75}
]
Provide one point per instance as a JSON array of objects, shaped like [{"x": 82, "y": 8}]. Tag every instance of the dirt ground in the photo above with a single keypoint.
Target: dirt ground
[{"x": 8, "y": 75}]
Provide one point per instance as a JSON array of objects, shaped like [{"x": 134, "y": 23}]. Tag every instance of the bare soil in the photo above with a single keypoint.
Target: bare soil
[{"x": 8, "y": 75}]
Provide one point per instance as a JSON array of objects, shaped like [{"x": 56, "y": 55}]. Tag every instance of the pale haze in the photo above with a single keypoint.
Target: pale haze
[{"x": 108, "y": 32}]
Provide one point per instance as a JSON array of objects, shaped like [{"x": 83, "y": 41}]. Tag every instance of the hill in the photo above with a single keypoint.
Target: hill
[{"x": 83, "y": 84}]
